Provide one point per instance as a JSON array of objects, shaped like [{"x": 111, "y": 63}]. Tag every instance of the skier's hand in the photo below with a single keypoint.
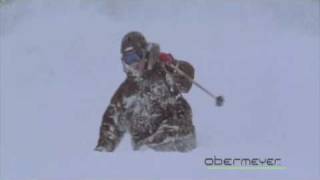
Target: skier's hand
[{"x": 105, "y": 148}]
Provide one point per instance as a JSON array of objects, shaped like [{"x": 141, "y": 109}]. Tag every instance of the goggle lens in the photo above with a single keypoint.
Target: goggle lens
[{"x": 131, "y": 57}]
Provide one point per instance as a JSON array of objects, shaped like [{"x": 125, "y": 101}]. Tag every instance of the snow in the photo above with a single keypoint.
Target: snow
[{"x": 60, "y": 65}]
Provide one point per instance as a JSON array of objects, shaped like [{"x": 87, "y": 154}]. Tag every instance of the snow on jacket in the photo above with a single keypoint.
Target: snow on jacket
[{"x": 152, "y": 109}]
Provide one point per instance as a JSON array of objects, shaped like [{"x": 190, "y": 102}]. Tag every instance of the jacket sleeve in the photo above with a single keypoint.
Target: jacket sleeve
[
  {"x": 182, "y": 83},
  {"x": 110, "y": 130}
]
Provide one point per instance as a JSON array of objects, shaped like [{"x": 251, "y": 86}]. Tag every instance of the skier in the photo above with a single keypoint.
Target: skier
[{"x": 149, "y": 103}]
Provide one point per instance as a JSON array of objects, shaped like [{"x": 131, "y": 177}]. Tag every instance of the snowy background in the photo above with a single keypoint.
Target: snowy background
[{"x": 60, "y": 65}]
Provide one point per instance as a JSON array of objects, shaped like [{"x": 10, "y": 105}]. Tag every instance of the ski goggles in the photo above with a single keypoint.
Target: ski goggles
[{"x": 132, "y": 57}]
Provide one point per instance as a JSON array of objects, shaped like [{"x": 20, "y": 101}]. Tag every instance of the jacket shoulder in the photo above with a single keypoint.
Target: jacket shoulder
[{"x": 126, "y": 88}]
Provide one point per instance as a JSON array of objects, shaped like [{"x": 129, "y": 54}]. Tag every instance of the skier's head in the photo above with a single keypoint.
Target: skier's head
[
  {"x": 135, "y": 40},
  {"x": 133, "y": 50},
  {"x": 138, "y": 55}
]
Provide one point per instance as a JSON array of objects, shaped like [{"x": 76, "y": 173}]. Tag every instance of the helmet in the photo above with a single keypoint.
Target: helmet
[{"x": 133, "y": 41}]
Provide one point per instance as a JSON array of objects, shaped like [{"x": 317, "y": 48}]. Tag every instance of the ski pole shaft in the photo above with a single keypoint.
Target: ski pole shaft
[{"x": 219, "y": 99}]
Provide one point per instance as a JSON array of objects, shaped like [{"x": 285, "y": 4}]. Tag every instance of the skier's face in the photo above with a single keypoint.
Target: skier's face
[
  {"x": 135, "y": 69},
  {"x": 134, "y": 61},
  {"x": 138, "y": 66}
]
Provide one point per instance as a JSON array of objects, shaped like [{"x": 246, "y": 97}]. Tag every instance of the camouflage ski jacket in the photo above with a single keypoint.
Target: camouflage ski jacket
[{"x": 152, "y": 109}]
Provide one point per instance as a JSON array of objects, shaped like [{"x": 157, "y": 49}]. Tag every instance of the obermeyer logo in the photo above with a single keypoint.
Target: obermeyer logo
[{"x": 215, "y": 163}]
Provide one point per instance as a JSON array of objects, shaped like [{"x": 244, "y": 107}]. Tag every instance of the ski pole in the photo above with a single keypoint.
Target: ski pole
[{"x": 218, "y": 99}]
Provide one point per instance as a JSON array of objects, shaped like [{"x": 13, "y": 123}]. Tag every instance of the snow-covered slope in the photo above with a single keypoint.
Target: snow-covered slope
[{"x": 60, "y": 66}]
